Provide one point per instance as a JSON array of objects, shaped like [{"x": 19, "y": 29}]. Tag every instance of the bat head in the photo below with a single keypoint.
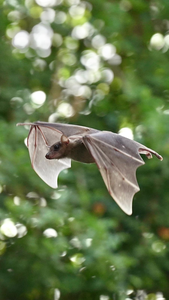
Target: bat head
[{"x": 59, "y": 149}]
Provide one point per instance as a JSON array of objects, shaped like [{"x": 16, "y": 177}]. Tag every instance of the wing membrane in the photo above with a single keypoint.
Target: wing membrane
[
  {"x": 39, "y": 140},
  {"x": 117, "y": 159},
  {"x": 67, "y": 129}
]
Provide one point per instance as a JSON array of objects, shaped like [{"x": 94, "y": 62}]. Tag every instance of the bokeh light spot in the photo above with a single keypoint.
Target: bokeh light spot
[
  {"x": 21, "y": 40},
  {"x": 82, "y": 31},
  {"x": 12, "y": 30},
  {"x": 76, "y": 11},
  {"x": 46, "y": 3},
  {"x": 16, "y": 200},
  {"x": 60, "y": 17},
  {"x": 53, "y": 117},
  {"x": 41, "y": 36},
  {"x": 158, "y": 246},
  {"x": 107, "y": 75},
  {"x": 57, "y": 40},
  {"x": 39, "y": 64},
  {"x": 73, "y": 2},
  {"x": 157, "y": 41},
  {"x": 16, "y": 102},
  {"x": 85, "y": 91},
  {"x": 77, "y": 259},
  {"x": 75, "y": 242},
  {"x": 107, "y": 51},
  {"x": 50, "y": 233},
  {"x": 88, "y": 242},
  {"x": 21, "y": 230},
  {"x": 71, "y": 43},
  {"x": 126, "y": 132},
  {"x": 98, "y": 41},
  {"x": 90, "y": 60},
  {"x": 56, "y": 294},
  {"x": 104, "y": 297},
  {"x": 14, "y": 16},
  {"x": 115, "y": 60},
  {"x": 66, "y": 110},
  {"x": 48, "y": 15},
  {"x": 38, "y": 98},
  {"x": 8, "y": 228}
]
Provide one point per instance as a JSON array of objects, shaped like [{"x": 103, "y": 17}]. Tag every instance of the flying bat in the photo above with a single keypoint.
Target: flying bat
[{"x": 52, "y": 146}]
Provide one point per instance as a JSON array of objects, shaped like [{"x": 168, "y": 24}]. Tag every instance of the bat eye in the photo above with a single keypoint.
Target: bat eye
[{"x": 56, "y": 147}]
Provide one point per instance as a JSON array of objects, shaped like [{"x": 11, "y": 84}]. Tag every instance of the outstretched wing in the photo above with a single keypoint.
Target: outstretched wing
[
  {"x": 41, "y": 136},
  {"x": 67, "y": 129},
  {"x": 118, "y": 159},
  {"x": 39, "y": 140}
]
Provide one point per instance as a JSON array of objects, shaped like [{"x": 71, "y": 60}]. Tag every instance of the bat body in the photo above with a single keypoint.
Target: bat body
[{"x": 52, "y": 146}]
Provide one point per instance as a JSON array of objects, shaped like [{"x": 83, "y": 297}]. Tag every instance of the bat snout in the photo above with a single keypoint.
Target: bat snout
[{"x": 48, "y": 156}]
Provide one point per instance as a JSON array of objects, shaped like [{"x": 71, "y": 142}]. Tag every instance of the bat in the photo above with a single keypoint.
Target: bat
[{"x": 52, "y": 146}]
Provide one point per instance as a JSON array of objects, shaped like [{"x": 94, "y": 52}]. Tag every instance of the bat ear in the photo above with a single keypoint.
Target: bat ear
[{"x": 64, "y": 139}]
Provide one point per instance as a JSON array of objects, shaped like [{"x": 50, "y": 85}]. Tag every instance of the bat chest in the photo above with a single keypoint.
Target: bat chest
[{"x": 79, "y": 153}]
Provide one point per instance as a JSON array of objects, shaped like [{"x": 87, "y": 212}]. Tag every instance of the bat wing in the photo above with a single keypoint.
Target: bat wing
[
  {"x": 41, "y": 136},
  {"x": 118, "y": 159},
  {"x": 68, "y": 129},
  {"x": 39, "y": 140}
]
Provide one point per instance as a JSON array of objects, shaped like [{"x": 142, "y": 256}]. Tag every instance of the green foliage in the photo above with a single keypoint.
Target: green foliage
[{"x": 102, "y": 64}]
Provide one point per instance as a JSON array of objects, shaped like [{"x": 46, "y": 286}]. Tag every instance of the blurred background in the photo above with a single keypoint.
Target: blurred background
[{"x": 102, "y": 64}]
